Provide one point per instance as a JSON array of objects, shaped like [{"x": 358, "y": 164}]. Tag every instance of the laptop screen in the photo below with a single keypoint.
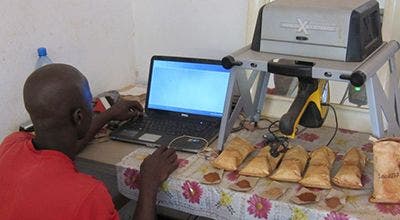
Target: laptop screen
[{"x": 188, "y": 87}]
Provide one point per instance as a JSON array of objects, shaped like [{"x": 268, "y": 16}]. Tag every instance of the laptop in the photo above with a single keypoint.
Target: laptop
[{"x": 184, "y": 104}]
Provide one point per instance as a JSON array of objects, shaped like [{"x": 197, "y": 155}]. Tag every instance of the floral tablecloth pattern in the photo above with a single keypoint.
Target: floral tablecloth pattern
[{"x": 183, "y": 190}]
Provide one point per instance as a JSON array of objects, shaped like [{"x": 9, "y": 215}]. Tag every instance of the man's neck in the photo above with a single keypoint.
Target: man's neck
[{"x": 60, "y": 140}]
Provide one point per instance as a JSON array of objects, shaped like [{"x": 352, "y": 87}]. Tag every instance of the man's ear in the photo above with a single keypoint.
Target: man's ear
[
  {"x": 77, "y": 116},
  {"x": 81, "y": 121}
]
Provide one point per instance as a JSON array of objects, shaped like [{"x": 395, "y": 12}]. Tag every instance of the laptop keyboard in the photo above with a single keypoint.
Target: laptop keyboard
[{"x": 174, "y": 127}]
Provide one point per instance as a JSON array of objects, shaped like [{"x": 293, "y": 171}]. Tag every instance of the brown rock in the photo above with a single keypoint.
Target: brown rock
[
  {"x": 212, "y": 177},
  {"x": 307, "y": 197},
  {"x": 243, "y": 184},
  {"x": 333, "y": 202}
]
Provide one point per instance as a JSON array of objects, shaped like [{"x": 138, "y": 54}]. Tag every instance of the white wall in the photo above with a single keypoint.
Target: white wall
[
  {"x": 96, "y": 36},
  {"x": 195, "y": 28},
  {"x": 109, "y": 40}
]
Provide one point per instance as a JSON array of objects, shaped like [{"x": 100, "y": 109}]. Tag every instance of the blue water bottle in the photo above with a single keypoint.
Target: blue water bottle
[
  {"x": 43, "y": 58},
  {"x": 42, "y": 61}
]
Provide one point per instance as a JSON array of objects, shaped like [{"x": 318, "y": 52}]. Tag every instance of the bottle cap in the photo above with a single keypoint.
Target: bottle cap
[{"x": 42, "y": 51}]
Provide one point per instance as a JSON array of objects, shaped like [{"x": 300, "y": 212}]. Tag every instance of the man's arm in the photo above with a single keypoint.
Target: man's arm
[
  {"x": 146, "y": 205},
  {"x": 121, "y": 111},
  {"x": 154, "y": 170}
]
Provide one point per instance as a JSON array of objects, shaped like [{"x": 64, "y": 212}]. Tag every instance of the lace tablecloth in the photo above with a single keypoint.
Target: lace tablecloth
[{"x": 183, "y": 190}]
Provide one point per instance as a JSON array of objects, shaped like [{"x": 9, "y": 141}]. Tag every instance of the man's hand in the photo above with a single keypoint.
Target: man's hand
[
  {"x": 123, "y": 110},
  {"x": 156, "y": 168}
]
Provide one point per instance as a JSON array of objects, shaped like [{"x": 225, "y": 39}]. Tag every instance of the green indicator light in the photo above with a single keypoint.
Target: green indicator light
[{"x": 357, "y": 89}]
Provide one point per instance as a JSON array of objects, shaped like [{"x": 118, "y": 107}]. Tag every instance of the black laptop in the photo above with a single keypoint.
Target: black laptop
[{"x": 184, "y": 104}]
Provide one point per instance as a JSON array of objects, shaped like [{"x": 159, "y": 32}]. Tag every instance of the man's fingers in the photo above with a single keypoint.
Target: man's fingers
[
  {"x": 136, "y": 105},
  {"x": 159, "y": 151},
  {"x": 173, "y": 167},
  {"x": 169, "y": 152},
  {"x": 132, "y": 114},
  {"x": 172, "y": 158}
]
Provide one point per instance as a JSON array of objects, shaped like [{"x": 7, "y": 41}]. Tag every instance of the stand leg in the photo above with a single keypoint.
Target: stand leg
[
  {"x": 253, "y": 109},
  {"x": 223, "y": 131},
  {"x": 261, "y": 91},
  {"x": 380, "y": 103},
  {"x": 245, "y": 84},
  {"x": 395, "y": 90},
  {"x": 374, "y": 108}
]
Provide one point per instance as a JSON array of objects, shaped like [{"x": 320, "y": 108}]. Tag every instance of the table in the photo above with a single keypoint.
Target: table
[
  {"x": 99, "y": 159},
  {"x": 184, "y": 192}
]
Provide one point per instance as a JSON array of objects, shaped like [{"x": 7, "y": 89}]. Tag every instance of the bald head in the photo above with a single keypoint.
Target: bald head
[{"x": 53, "y": 93}]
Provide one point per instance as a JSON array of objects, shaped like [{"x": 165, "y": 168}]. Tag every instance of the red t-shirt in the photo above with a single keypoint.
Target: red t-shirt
[{"x": 44, "y": 184}]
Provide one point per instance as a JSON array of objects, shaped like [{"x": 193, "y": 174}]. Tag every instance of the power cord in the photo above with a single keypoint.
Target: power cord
[
  {"x": 189, "y": 137},
  {"x": 238, "y": 128},
  {"x": 345, "y": 95},
  {"x": 242, "y": 126},
  {"x": 262, "y": 118},
  {"x": 336, "y": 122},
  {"x": 278, "y": 143}
]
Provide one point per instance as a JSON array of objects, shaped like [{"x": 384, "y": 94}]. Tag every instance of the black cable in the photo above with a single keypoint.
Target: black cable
[
  {"x": 270, "y": 126},
  {"x": 278, "y": 144},
  {"x": 345, "y": 95},
  {"x": 336, "y": 122},
  {"x": 263, "y": 118},
  {"x": 241, "y": 124},
  {"x": 239, "y": 127}
]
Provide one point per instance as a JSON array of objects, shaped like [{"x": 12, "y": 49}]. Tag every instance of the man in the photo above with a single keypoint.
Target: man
[{"x": 38, "y": 179}]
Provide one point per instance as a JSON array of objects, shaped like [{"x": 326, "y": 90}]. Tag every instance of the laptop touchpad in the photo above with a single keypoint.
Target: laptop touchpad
[{"x": 149, "y": 137}]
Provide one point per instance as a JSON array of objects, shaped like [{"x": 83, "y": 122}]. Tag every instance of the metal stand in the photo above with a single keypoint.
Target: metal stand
[{"x": 379, "y": 102}]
